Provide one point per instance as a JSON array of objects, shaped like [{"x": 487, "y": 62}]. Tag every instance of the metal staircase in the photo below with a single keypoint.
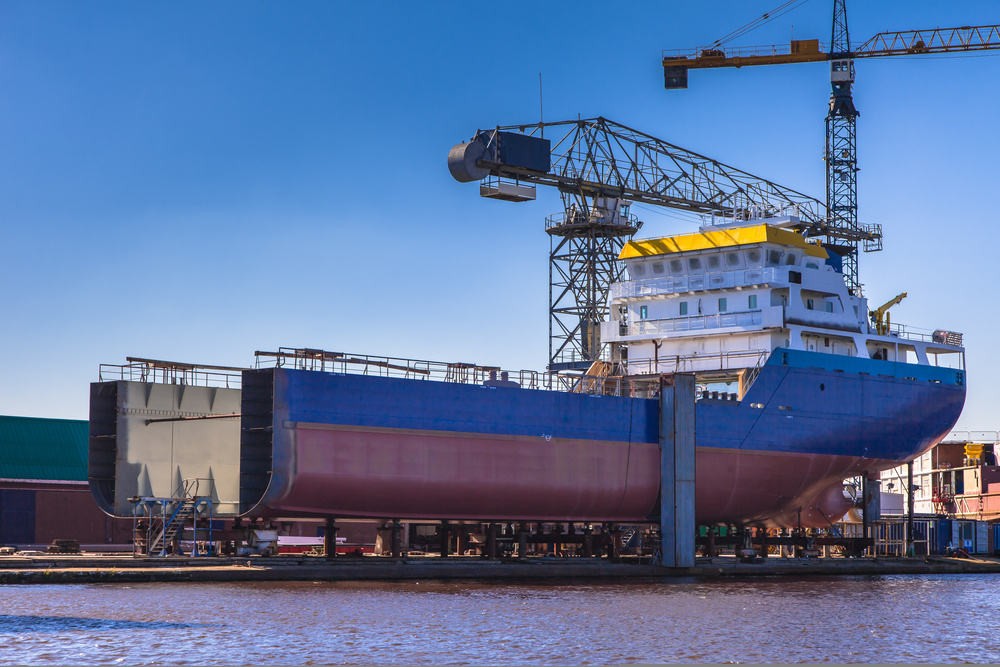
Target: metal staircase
[
  {"x": 158, "y": 522},
  {"x": 171, "y": 528}
]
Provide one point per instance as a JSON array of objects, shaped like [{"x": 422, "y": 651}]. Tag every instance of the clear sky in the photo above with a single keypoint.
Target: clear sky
[{"x": 195, "y": 181}]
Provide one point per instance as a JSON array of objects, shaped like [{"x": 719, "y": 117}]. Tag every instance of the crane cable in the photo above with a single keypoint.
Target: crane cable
[{"x": 777, "y": 12}]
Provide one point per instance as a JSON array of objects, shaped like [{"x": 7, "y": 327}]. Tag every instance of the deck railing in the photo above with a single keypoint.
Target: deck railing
[
  {"x": 172, "y": 372},
  {"x": 696, "y": 282},
  {"x": 642, "y": 378}
]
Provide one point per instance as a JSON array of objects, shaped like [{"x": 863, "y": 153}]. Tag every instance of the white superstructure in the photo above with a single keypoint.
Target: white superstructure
[{"x": 719, "y": 301}]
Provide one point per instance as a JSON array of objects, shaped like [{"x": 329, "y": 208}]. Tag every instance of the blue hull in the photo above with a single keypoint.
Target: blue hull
[{"x": 345, "y": 444}]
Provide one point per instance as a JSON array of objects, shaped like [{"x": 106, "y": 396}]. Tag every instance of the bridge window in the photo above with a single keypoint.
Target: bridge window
[
  {"x": 732, "y": 259},
  {"x": 809, "y": 304},
  {"x": 753, "y": 256},
  {"x": 791, "y": 259},
  {"x": 722, "y": 305},
  {"x": 752, "y": 301},
  {"x": 694, "y": 263},
  {"x": 684, "y": 307},
  {"x": 829, "y": 306},
  {"x": 676, "y": 267},
  {"x": 774, "y": 257},
  {"x": 658, "y": 268},
  {"x": 714, "y": 262},
  {"x": 638, "y": 270}
]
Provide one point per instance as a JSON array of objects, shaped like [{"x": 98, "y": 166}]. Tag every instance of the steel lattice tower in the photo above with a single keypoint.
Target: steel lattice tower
[
  {"x": 841, "y": 147},
  {"x": 583, "y": 262}
]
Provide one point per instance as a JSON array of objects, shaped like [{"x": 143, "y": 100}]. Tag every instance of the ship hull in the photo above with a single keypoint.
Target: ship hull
[{"x": 355, "y": 446}]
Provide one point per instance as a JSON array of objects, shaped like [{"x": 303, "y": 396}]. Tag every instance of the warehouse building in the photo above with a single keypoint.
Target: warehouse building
[{"x": 44, "y": 495}]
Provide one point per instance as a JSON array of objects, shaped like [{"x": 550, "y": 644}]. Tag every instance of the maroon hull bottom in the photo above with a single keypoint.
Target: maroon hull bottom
[
  {"x": 775, "y": 489},
  {"x": 388, "y": 473},
  {"x": 392, "y": 473}
]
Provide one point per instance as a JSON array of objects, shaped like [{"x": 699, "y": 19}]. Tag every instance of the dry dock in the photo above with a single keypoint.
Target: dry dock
[{"x": 51, "y": 569}]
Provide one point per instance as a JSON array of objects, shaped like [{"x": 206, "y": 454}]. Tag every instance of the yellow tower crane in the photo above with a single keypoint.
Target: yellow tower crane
[{"x": 842, "y": 227}]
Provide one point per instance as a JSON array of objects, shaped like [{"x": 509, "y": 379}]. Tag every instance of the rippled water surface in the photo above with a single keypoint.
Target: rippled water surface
[{"x": 857, "y": 619}]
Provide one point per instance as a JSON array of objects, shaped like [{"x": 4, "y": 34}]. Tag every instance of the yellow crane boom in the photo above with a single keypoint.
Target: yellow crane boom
[
  {"x": 906, "y": 43},
  {"x": 882, "y": 312}
]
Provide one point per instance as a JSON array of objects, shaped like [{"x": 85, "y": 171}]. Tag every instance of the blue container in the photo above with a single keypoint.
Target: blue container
[{"x": 943, "y": 536}]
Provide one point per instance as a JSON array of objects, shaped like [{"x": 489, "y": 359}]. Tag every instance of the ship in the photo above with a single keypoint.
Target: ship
[{"x": 798, "y": 388}]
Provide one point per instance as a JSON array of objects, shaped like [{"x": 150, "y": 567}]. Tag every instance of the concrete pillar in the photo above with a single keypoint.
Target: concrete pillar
[
  {"x": 610, "y": 531},
  {"x": 491, "y": 541},
  {"x": 677, "y": 470},
  {"x": 588, "y": 541},
  {"x": 445, "y": 539},
  {"x": 909, "y": 510},
  {"x": 710, "y": 550},
  {"x": 397, "y": 539},
  {"x": 330, "y": 539}
]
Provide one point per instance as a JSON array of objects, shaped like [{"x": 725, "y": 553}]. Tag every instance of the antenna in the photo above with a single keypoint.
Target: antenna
[{"x": 540, "y": 108}]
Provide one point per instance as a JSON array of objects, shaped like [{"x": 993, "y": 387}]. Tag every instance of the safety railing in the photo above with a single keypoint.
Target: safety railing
[
  {"x": 171, "y": 372},
  {"x": 379, "y": 366},
  {"x": 737, "y": 51},
  {"x": 974, "y": 436},
  {"x": 697, "y": 282},
  {"x": 736, "y": 360},
  {"x": 939, "y": 336},
  {"x": 750, "y": 318},
  {"x": 596, "y": 216}
]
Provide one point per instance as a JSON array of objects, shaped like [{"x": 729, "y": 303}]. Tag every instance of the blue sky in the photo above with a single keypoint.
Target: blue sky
[{"x": 195, "y": 181}]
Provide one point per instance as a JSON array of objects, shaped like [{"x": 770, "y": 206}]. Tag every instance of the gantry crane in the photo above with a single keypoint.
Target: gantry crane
[
  {"x": 841, "y": 145},
  {"x": 599, "y": 168}
]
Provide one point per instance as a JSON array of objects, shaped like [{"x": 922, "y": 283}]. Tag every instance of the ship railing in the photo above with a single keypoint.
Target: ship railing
[
  {"x": 939, "y": 336},
  {"x": 973, "y": 436},
  {"x": 735, "y": 360},
  {"x": 692, "y": 283},
  {"x": 595, "y": 385},
  {"x": 171, "y": 372},
  {"x": 380, "y": 366},
  {"x": 748, "y": 318},
  {"x": 749, "y": 213}
]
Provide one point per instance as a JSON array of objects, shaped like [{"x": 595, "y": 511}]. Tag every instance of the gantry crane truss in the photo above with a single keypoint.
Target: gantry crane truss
[{"x": 599, "y": 167}]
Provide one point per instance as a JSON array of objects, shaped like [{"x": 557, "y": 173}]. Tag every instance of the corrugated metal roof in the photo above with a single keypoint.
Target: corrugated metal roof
[{"x": 35, "y": 448}]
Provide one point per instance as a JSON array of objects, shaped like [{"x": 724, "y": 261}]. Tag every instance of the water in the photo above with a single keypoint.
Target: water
[{"x": 948, "y": 618}]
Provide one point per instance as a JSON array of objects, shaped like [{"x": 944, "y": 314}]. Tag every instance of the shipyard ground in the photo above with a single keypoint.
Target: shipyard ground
[{"x": 119, "y": 568}]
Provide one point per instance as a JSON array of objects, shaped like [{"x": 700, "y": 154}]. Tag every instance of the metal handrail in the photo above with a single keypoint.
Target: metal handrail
[
  {"x": 380, "y": 366},
  {"x": 758, "y": 275},
  {"x": 940, "y": 336},
  {"x": 746, "y": 318},
  {"x": 735, "y": 360},
  {"x": 194, "y": 376}
]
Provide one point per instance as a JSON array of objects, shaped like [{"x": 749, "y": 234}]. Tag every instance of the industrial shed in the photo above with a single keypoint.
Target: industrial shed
[{"x": 44, "y": 494}]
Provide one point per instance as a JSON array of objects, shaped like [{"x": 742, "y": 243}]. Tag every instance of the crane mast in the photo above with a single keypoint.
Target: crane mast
[
  {"x": 599, "y": 168},
  {"x": 841, "y": 144}
]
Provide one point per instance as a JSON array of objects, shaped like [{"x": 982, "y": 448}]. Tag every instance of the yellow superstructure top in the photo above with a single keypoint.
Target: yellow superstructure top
[{"x": 721, "y": 238}]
